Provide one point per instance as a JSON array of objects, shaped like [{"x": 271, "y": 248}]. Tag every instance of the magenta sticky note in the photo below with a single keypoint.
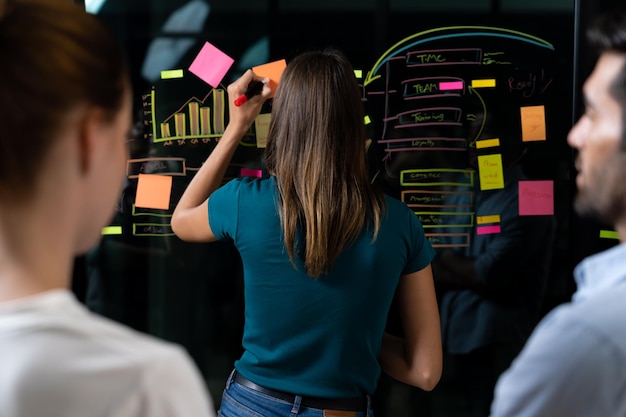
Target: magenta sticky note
[
  {"x": 536, "y": 198},
  {"x": 211, "y": 65},
  {"x": 487, "y": 230},
  {"x": 247, "y": 172},
  {"x": 450, "y": 85}
]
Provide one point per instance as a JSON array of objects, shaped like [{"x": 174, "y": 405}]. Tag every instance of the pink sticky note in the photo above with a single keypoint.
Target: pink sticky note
[
  {"x": 450, "y": 85},
  {"x": 211, "y": 65},
  {"x": 153, "y": 191},
  {"x": 487, "y": 230},
  {"x": 248, "y": 172},
  {"x": 536, "y": 198}
]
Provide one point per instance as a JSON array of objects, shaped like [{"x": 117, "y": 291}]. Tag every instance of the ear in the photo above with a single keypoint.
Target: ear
[{"x": 88, "y": 138}]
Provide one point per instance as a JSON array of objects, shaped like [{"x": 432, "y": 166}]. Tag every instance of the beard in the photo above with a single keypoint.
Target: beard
[{"x": 603, "y": 196}]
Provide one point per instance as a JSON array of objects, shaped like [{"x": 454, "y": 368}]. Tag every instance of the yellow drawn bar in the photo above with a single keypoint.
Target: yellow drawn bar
[
  {"x": 484, "y": 83},
  {"x": 487, "y": 143},
  {"x": 166, "y": 75},
  {"x": 112, "y": 230},
  {"x": 488, "y": 219}
]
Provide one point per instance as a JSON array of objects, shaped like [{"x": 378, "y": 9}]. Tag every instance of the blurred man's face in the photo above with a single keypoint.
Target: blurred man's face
[{"x": 601, "y": 165}]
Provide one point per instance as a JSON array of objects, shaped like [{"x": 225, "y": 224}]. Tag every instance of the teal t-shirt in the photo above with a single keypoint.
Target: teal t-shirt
[{"x": 316, "y": 337}]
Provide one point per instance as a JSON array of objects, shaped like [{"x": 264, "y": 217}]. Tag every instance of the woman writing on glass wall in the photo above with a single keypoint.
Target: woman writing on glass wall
[{"x": 323, "y": 252}]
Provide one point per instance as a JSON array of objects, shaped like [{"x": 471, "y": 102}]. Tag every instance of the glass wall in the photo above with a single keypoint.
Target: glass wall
[{"x": 142, "y": 275}]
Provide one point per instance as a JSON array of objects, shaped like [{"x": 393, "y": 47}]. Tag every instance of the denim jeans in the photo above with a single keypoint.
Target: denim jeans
[{"x": 241, "y": 401}]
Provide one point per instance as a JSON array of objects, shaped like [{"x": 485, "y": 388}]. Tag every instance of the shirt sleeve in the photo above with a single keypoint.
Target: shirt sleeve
[
  {"x": 224, "y": 210},
  {"x": 171, "y": 386},
  {"x": 567, "y": 368},
  {"x": 421, "y": 253}
]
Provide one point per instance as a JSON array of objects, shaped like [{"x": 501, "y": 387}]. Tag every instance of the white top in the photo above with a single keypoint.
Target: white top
[
  {"x": 574, "y": 364},
  {"x": 57, "y": 359}
]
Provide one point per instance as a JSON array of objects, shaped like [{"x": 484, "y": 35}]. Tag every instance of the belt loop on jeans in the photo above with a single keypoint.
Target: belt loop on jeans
[
  {"x": 231, "y": 378},
  {"x": 296, "y": 405}
]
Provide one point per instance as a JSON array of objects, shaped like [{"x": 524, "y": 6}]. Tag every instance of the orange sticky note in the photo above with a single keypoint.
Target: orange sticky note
[
  {"x": 272, "y": 70},
  {"x": 153, "y": 191},
  {"x": 533, "y": 123},
  {"x": 490, "y": 172}
]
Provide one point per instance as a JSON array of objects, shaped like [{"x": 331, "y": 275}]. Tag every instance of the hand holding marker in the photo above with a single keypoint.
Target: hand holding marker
[{"x": 254, "y": 88}]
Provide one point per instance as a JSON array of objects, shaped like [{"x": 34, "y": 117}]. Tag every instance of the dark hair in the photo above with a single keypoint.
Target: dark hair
[
  {"x": 55, "y": 58},
  {"x": 608, "y": 34},
  {"x": 316, "y": 150}
]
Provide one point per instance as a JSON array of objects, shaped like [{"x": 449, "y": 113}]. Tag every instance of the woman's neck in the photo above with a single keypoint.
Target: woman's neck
[{"x": 34, "y": 256}]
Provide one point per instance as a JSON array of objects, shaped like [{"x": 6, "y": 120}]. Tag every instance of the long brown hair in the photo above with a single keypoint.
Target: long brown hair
[
  {"x": 50, "y": 67},
  {"x": 316, "y": 150}
]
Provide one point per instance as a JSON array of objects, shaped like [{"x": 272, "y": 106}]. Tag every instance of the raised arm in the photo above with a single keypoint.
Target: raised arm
[
  {"x": 415, "y": 359},
  {"x": 190, "y": 220}
]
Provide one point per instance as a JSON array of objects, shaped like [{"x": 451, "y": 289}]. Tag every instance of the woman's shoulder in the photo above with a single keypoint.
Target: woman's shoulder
[
  {"x": 395, "y": 205},
  {"x": 252, "y": 184}
]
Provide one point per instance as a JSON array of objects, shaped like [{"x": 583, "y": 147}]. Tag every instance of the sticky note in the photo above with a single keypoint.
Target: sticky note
[
  {"x": 487, "y": 230},
  {"x": 367, "y": 120},
  {"x": 487, "y": 143},
  {"x": 490, "y": 172},
  {"x": 495, "y": 218},
  {"x": 533, "y": 123},
  {"x": 262, "y": 127},
  {"x": 112, "y": 230},
  {"x": 358, "y": 74},
  {"x": 450, "y": 85},
  {"x": 272, "y": 70},
  {"x": 153, "y": 191},
  {"x": 536, "y": 198},
  {"x": 608, "y": 234},
  {"x": 248, "y": 172},
  {"x": 166, "y": 75},
  {"x": 211, "y": 65},
  {"x": 484, "y": 83}
]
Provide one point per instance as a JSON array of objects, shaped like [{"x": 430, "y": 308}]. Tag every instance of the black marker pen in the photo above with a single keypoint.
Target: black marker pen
[{"x": 254, "y": 88}]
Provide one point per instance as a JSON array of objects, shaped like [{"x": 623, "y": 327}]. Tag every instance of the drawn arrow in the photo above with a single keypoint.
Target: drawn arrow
[{"x": 482, "y": 126}]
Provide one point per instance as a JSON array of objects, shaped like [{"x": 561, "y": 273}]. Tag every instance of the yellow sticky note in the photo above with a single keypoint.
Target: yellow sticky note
[
  {"x": 533, "y": 123},
  {"x": 487, "y": 143},
  {"x": 491, "y": 82},
  {"x": 272, "y": 70},
  {"x": 490, "y": 172},
  {"x": 153, "y": 191},
  {"x": 608, "y": 234},
  {"x": 262, "y": 127},
  {"x": 166, "y": 75},
  {"x": 112, "y": 230},
  {"x": 494, "y": 218}
]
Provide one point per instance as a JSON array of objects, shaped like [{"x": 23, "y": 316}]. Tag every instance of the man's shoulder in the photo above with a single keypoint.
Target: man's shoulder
[
  {"x": 599, "y": 318},
  {"x": 604, "y": 308}
]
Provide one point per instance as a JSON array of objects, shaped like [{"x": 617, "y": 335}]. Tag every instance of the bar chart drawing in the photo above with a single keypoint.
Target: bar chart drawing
[{"x": 197, "y": 118}]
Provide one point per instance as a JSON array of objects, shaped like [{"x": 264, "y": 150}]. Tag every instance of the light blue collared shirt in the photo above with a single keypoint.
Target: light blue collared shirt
[{"x": 574, "y": 364}]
